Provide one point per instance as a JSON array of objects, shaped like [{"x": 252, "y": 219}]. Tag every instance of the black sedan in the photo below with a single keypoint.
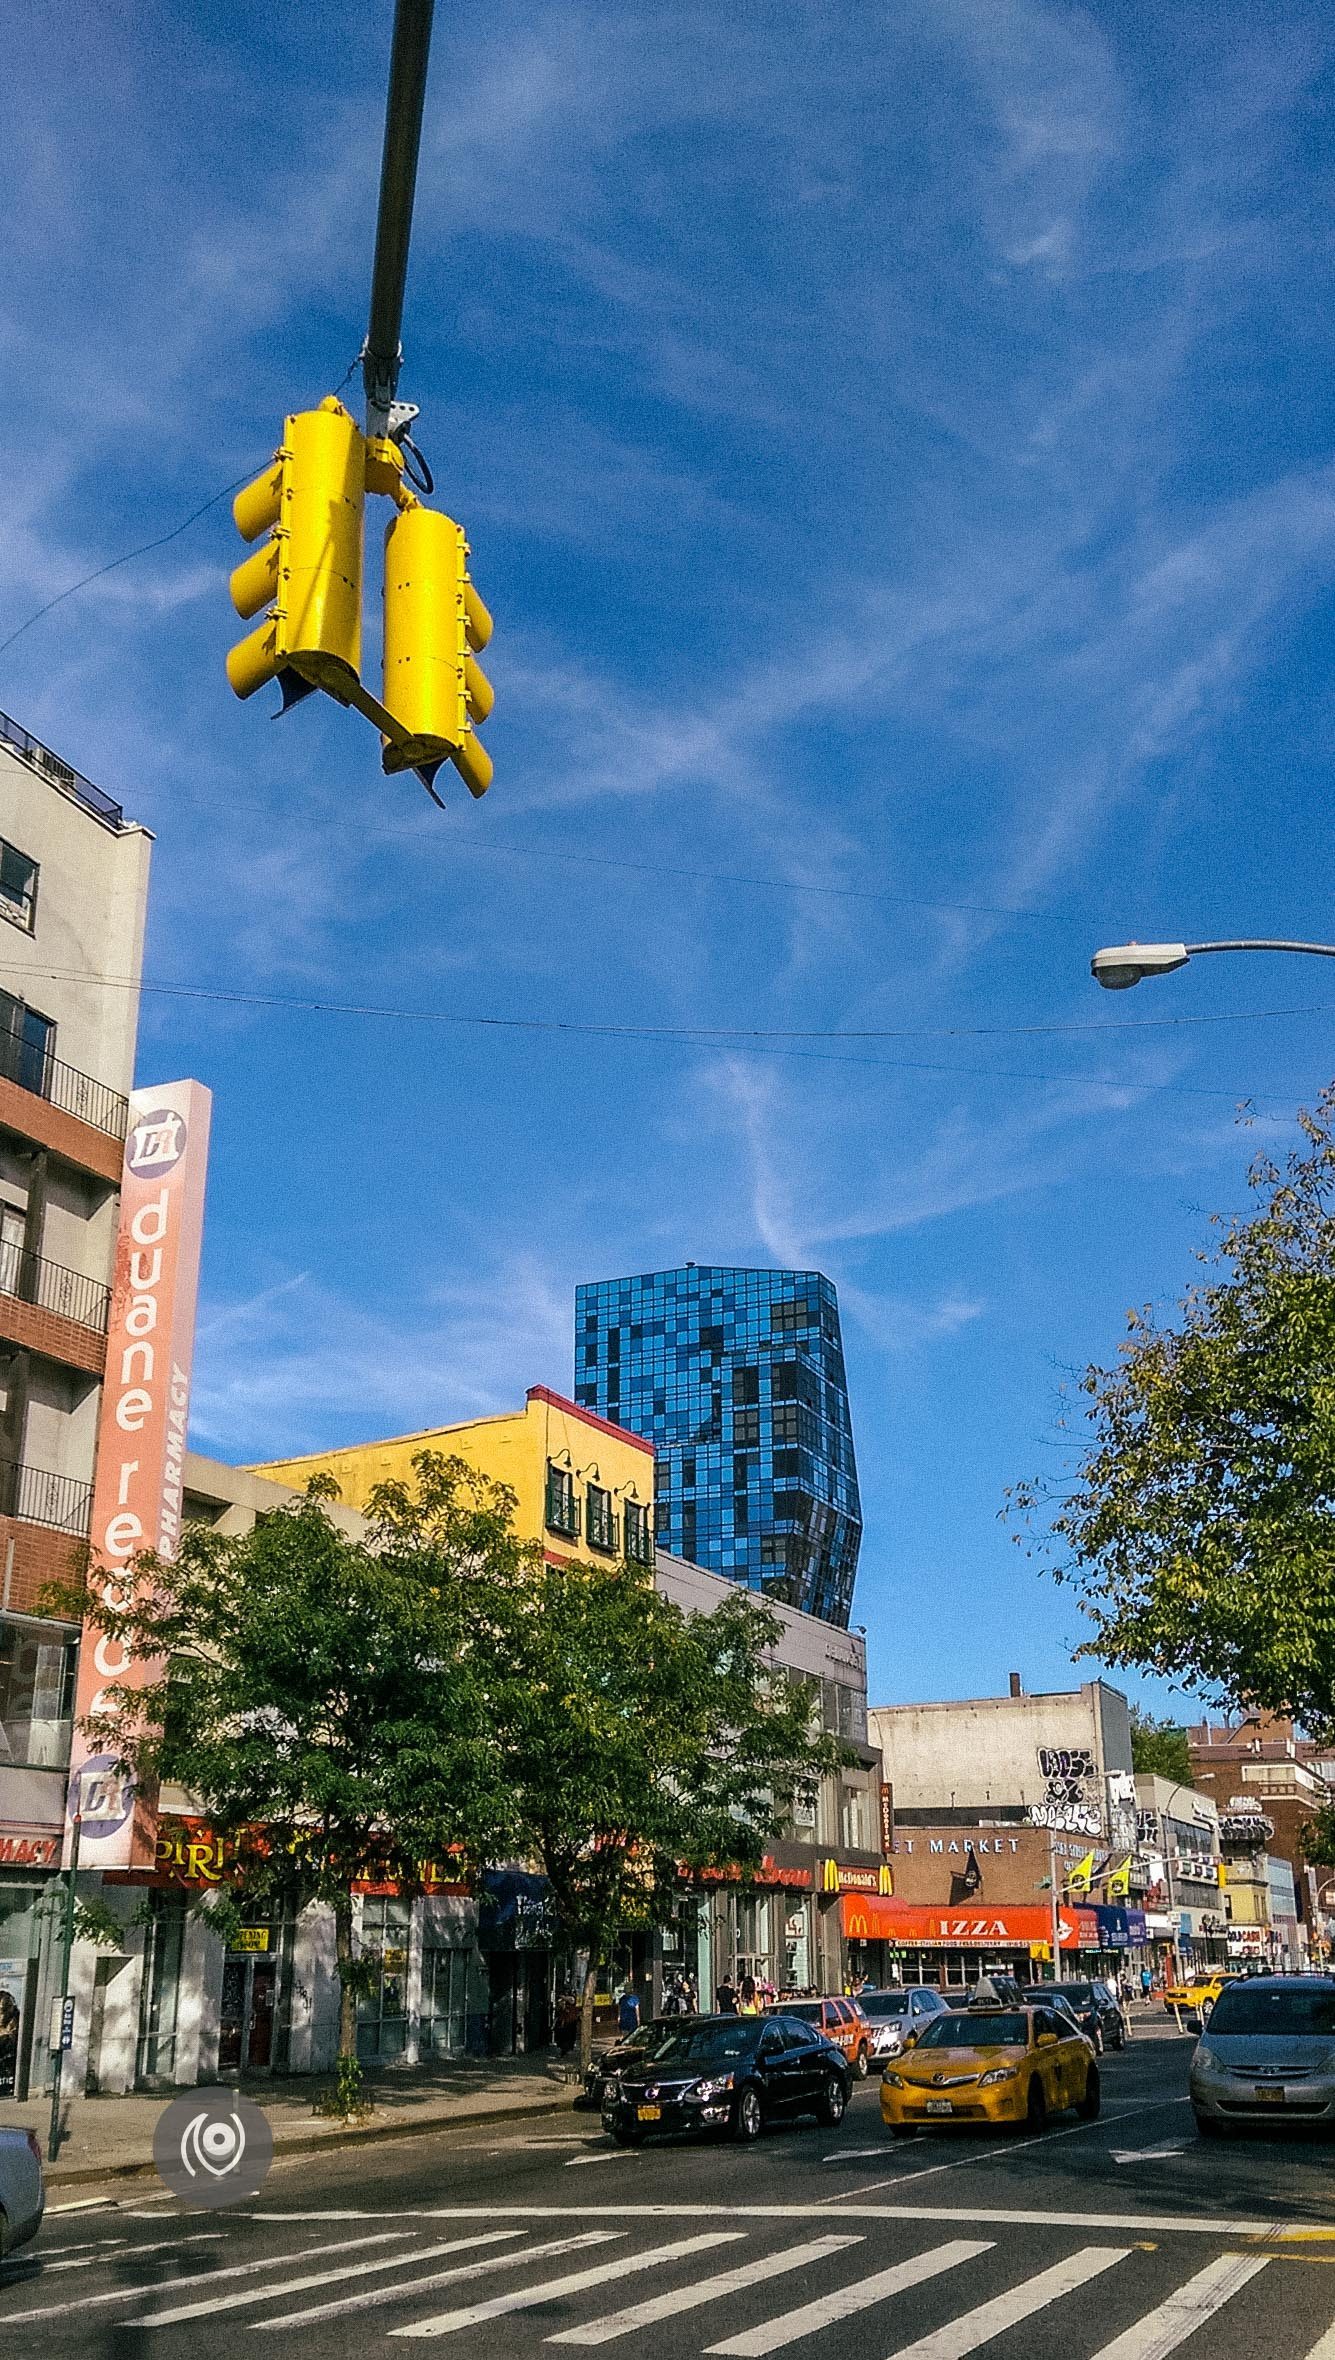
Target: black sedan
[
  {"x": 731, "y": 2074},
  {"x": 1092, "y": 2005}
]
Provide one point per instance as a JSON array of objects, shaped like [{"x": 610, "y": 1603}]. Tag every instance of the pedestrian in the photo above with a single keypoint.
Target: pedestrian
[
  {"x": 628, "y": 2010},
  {"x": 748, "y": 2003},
  {"x": 1146, "y": 1982},
  {"x": 725, "y": 1997},
  {"x": 567, "y": 2023}
]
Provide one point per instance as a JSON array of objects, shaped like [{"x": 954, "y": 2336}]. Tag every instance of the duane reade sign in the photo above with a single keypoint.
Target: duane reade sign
[{"x": 141, "y": 1432}]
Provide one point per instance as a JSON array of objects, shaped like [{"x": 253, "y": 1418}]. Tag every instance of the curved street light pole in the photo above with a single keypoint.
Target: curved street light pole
[{"x": 1131, "y": 962}]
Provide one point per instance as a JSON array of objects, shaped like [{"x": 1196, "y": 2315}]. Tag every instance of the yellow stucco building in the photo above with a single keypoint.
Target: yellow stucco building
[{"x": 585, "y": 1488}]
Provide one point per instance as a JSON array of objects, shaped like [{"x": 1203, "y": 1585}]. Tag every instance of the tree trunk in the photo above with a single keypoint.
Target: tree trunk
[
  {"x": 586, "y": 2008},
  {"x": 347, "y": 1996}
]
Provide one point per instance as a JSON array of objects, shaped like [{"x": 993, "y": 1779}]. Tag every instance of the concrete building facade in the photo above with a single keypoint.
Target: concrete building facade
[{"x": 73, "y": 894}]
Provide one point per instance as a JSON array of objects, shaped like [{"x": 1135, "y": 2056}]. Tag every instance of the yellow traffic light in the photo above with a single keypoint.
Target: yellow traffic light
[
  {"x": 435, "y": 625},
  {"x": 309, "y": 572}
]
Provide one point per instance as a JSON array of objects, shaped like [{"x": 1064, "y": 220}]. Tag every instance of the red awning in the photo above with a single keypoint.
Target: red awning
[{"x": 868, "y": 1917}]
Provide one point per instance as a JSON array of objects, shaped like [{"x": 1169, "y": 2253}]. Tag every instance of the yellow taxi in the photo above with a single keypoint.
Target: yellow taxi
[
  {"x": 1200, "y": 1990},
  {"x": 996, "y": 2065}
]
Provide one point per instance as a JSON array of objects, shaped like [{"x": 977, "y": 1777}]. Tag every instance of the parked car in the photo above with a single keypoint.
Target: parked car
[
  {"x": 843, "y": 2022},
  {"x": 608, "y": 2066},
  {"x": 894, "y": 2014},
  {"x": 1092, "y": 2005},
  {"x": 731, "y": 2074},
  {"x": 22, "y": 2190},
  {"x": 1266, "y": 2056},
  {"x": 994, "y": 2065}
]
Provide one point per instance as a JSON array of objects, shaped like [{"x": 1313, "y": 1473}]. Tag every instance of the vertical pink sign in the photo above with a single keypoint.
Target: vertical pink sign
[{"x": 141, "y": 1432}]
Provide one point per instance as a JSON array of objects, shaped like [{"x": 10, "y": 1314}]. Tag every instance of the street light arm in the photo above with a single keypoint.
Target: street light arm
[{"x": 1129, "y": 963}]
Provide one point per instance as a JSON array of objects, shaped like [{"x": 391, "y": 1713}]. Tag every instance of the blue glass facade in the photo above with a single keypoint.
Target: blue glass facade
[{"x": 737, "y": 1378}]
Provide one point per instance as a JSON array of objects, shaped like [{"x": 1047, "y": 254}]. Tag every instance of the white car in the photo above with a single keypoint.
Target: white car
[
  {"x": 894, "y": 2013},
  {"x": 22, "y": 2193}
]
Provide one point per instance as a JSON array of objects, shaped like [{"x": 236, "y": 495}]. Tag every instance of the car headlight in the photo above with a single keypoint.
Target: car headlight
[
  {"x": 894, "y": 2081},
  {"x": 705, "y": 2090},
  {"x": 998, "y": 2073},
  {"x": 1203, "y": 2055}
]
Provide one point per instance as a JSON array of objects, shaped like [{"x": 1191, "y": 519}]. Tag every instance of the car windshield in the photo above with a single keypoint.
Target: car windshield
[
  {"x": 1079, "y": 1994},
  {"x": 884, "y": 2003},
  {"x": 1250, "y": 2009},
  {"x": 706, "y": 2044},
  {"x": 976, "y": 2032},
  {"x": 806, "y": 2010}
]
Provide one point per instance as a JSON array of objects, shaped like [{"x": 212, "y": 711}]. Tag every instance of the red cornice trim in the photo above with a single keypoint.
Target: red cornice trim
[{"x": 587, "y": 1417}]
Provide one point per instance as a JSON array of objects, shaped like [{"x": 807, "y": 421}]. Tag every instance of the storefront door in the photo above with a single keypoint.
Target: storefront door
[{"x": 246, "y": 2015}]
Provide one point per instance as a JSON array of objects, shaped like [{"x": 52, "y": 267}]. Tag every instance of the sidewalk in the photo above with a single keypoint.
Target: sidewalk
[{"x": 107, "y": 2137}]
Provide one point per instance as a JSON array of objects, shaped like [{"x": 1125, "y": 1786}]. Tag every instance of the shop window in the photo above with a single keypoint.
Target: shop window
[
  {"x": 382, "y": 2010},
  {"x": 160, "y": 1991},
  {"x": 444, "y": 2003},
  {"x": 562, "y": 1505}
]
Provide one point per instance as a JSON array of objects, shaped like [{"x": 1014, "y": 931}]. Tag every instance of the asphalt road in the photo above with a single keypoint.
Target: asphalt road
[{"x": 1124, "y": 2239}]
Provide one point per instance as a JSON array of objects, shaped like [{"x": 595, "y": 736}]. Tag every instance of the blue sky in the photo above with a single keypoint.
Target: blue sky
[{"x": 897, "y": 449}]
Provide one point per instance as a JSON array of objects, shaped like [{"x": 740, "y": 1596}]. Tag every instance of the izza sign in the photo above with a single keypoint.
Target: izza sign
[{"x": 140, "y": 1471}]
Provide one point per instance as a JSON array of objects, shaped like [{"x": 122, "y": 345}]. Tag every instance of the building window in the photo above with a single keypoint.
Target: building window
[
  {"x": 562, "y": 1506},
  {"x": 600, "y": 1525},
  {"x": 382, "y": 2007},
  {"x": 36, "y": 1694},
  {"x": 639, "y": 1539},
  {"x": 746, "y": 1426},
  {"x": 160, "y": 1990},
  {"x": 18, "y": 887},
  {"x": 27, "y": 1042},
  {"x": 746, "y": 1385}
]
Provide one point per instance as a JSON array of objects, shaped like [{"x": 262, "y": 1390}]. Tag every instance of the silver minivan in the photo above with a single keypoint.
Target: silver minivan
[{"x": 1267, "y": 2055}]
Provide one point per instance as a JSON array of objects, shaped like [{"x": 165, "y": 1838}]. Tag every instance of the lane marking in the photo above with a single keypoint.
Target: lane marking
[
  {"x": 1180, "y": 2314},
  {"x": 976, "y": 2327},
  {"x": 273, "y": 2294},
  {"x": 1324, "y": 2347},
  {"x": 574, "y": 2163},
  {"x": 129, "y": 2294},
  {"x": 381, "y": 2295},
  {"x": 703, "y": 2290},
  {"x": 530, "y": 2297},
  {"x": 1145, "y": 2154},
  {"x": 755, "y": 2342},
  {"x": 1013, "y": 2146},
  {"x": 125, "y": 2250},
  {"x": 83, "y": 2204},
  {"x": 852, "y": 2154},
  {"x": 1220, "y": 2225}
]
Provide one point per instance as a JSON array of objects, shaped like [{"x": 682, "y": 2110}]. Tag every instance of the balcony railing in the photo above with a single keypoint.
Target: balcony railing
[
  {"x": 51, "y": 766},
  {"x": 33, "y": 1496},
  {"x": 31, "y": 1279},
  {"x": 28, "y": 1064}
]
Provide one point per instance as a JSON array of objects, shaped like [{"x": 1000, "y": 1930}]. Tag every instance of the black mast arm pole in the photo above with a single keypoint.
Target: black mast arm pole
[{"x": 382, "y": 356}]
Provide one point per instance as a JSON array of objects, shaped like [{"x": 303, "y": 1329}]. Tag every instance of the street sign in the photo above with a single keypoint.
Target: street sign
[{"x": 62, "y": 2024}]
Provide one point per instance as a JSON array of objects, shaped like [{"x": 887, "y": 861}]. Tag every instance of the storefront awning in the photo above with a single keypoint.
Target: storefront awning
[{"x": 867, "y": 1917}]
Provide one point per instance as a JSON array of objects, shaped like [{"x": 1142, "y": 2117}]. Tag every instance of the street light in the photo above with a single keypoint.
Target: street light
[{"x": 1131, "y": 962}]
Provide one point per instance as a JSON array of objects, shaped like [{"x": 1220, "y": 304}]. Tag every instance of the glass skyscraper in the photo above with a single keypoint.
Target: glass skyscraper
[{"x": 737, "y": 1378}]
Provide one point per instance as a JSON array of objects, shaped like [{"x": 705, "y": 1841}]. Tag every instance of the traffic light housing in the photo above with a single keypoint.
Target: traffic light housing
[
  {"x": 435, "y": 627},
  {"x": 308, "y": 573}
]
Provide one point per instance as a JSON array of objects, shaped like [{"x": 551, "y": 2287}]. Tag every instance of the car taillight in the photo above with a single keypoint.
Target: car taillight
[{"x": 36, "y": 2146}]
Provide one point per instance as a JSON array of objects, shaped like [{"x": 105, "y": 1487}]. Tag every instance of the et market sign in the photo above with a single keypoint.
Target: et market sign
[{"x": 137, "y": 1488}]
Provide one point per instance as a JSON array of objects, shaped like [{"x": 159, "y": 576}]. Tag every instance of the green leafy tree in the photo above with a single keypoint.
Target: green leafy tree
[
  {"x": 1199, "y": 1530},
  {"x": 318, "y": 1696},
  {"x": 1160, "y": 1747},
  {"x": 635, "y": 1741}
]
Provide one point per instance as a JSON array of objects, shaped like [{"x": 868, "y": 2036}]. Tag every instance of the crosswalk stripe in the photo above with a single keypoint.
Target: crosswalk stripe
[
  {"x": 703, "y": 2290},
  {"x": 973, "y": 2328},
  {"x": 90, "y": 2261},
  {"x": 1172, "y": 2321},
  {"x": 128, "y": 2294},
  {"x": 528, "y": 2297},
  {"x": 1324, "y": 2347},
  {"x": 754, "y": 2342},
  {"x": 212, "y": 2304},
  {"x": 380, "y": 2294}
]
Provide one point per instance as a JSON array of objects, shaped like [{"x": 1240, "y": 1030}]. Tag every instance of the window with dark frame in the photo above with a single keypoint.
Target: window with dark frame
[
  {"x": 18, "y": 887},
  {"x": 600, "y": 1525},
  {"x": 562, "y": 1507}
]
